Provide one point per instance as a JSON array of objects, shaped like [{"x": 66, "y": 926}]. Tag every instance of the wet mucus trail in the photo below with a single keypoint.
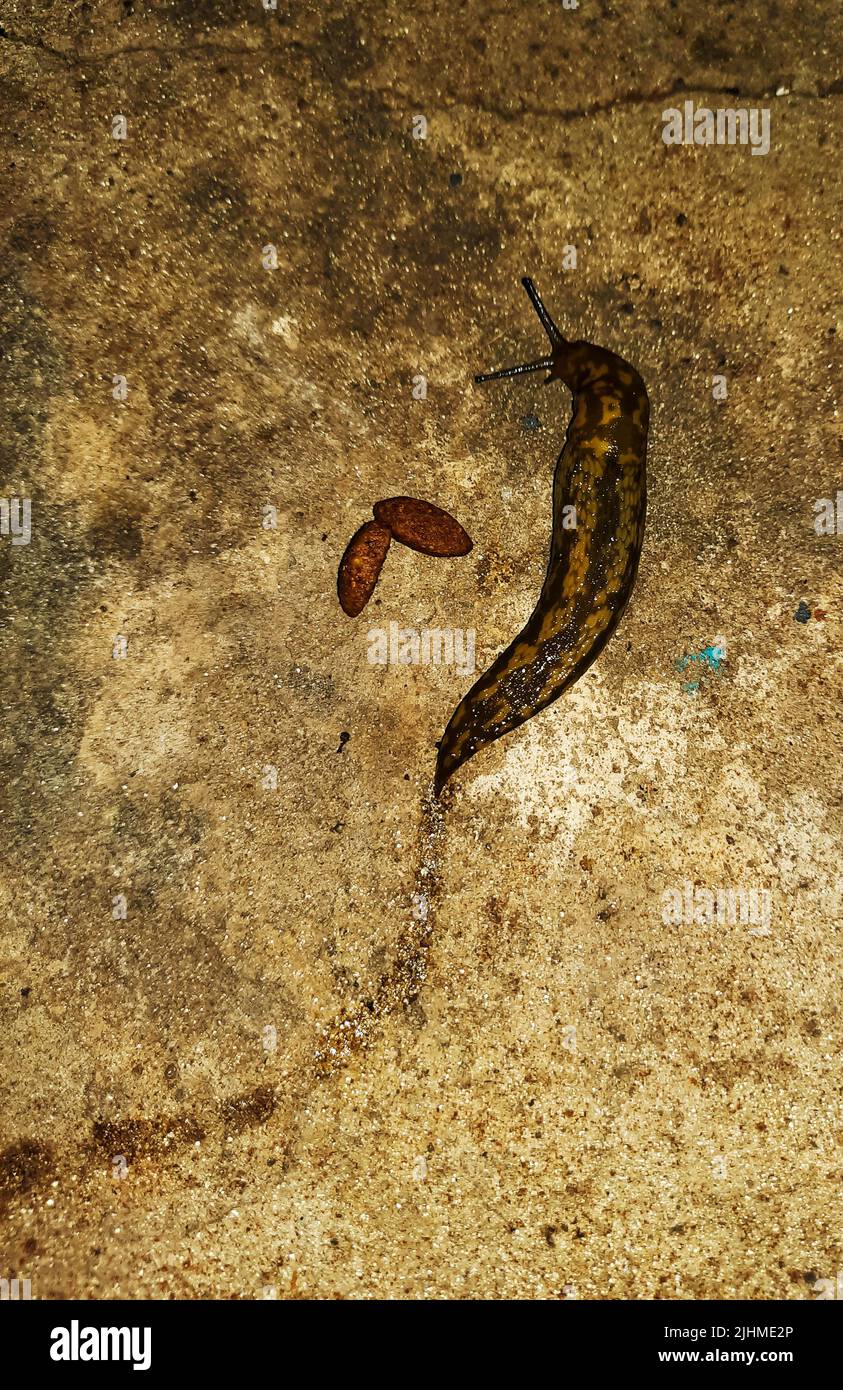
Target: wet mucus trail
[{"x": 353, "y": 1030}]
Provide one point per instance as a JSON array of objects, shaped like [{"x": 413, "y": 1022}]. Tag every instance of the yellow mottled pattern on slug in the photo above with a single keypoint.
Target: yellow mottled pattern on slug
[{"x": 601, "y": 473}]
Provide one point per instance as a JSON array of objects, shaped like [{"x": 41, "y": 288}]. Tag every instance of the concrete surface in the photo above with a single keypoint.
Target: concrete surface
[{"x": 300, "y": 1066}]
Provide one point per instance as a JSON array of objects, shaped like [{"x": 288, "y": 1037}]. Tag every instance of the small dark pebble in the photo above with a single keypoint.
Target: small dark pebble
[
  {"x": 455, "y": 180},
  {"x": 802, "y": 613},
  {"x": 681, "y": 219},
  {"x": 344, "y": 737},
  {"x": 531, "y": 422}
]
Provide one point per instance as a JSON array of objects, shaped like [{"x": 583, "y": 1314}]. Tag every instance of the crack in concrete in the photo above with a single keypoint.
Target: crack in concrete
[
  {"x": 78, "y": 60},
  {"x": 639, "y": 98},
  {"x": 636, "y": 97},
  {"x": 606, "y": 104}
]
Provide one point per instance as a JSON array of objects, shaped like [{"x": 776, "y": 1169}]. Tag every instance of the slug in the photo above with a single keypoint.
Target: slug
[{"x": 592, "y": 565}]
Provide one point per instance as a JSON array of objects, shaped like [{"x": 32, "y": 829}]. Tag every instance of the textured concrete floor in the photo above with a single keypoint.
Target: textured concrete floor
[{"x": 556, "y": 1093}]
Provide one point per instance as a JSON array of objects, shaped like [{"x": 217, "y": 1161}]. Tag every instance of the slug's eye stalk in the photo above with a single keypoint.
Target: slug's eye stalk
[
  {"x": 545, "y": 364},
  {"x": 556, "y": 339}
]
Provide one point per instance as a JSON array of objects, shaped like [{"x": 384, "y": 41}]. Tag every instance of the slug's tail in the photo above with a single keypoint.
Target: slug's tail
[{"x": 452, "y": 752}]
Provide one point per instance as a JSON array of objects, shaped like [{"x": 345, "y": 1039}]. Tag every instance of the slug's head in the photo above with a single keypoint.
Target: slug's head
[{"x": 565, "y": 362}]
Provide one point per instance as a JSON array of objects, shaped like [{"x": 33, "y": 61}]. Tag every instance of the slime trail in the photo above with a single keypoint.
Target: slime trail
[{"x": 353, "y": 1029}]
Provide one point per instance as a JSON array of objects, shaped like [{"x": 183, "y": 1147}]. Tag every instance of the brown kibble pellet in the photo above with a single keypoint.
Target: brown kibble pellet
[
  {"x": 360, "y": 566},
  {"x": 422, "y": 526}
]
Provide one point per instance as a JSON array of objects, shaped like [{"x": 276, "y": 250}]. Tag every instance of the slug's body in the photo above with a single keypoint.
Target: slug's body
[{"x": 593, "y": 563}]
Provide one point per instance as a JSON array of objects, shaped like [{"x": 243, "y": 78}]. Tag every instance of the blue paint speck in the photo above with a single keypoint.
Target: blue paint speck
[
  {"x": 802, "y": 613},
  {"x": 531, "y": 422},
  {"x": 711, "y": 658}
]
